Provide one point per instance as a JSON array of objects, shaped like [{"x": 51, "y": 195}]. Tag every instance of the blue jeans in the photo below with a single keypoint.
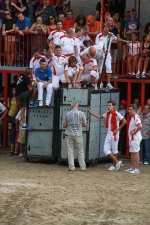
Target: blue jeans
[{"x": 145, "y": 144}]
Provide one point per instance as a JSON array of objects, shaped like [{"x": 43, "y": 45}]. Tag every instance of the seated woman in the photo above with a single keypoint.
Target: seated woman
[
  {"x": 80, "y": 21},
  {"x": 51, "y": 23},
  {"x": 9, "y": 26},
  {"x": 38, "y": 29},
  {"x": 22, "y": 7}
]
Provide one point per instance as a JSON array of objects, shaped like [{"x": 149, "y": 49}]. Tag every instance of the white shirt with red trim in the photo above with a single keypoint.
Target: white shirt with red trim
[
  {"x": 34, "y": 64},
  {"x": 92, "y": 63},
  {"x": 134, "y": 48},
  {"x": 106, "y": 39},
  {"x": 85, "y": 37},
  {"x": 72, "y": 70},
  {"x": 55, "y": 35},
  {"x": 58, "y": 65},
  {"x": 135, "y": 120},
  {"x": 119, "y": 117},
  {"x": 99, "y": 51},
  {"x": 67, "y": 45}
]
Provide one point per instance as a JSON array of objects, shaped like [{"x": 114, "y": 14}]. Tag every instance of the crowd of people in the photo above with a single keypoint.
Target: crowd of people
[{"x": 69, "y": 58}]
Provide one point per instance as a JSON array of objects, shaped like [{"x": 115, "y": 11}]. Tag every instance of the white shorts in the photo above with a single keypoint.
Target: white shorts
[
  {"x": 110, "y": 145},
  {"x": 87, "y": 77},
  {"x": 114, "y": 53},
  {"x": 107, "y": 64},
  {"x": 134, "y": 145}
]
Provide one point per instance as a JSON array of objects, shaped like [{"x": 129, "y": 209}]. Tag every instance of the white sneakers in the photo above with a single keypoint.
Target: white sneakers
[
  {"x": 41, "y": 103},
  {"x": 101, "y": 85},
  {"x": 118, "y": 165},
  {"x": 134, "y": 171},
  {"x": 111, "y": 168},
  {"x": 109, "y": 86}
]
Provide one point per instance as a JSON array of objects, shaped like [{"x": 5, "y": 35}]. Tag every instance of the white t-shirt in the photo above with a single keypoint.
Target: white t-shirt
[
  {"x": 18, "y": 116},
  {"x": 105, "y": 40},
  {"x": 122, "y": 112},
  {"x": 58, "y": 65},
  {"x": 67, "y": 45},
  {"x": 72, "y": 70},
  {"x": 92, "y": 63},
  {"x": 119, "y": 118},
  {"x": 34, "y": 64},
  {"x": 99, "y": 51},
  {"x": 85, "y": 37},
  {"x": 55, "y": 35},
  {"x": 2, "y": 107},
  {"x": 134, "y": 48},
  {"x": 135, "y": 120}
]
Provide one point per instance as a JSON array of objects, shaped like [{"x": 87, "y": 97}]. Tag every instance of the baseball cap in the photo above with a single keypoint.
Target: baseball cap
[
  {"x": 124, "y": 102},
  {"x": 89, "y": 19}
]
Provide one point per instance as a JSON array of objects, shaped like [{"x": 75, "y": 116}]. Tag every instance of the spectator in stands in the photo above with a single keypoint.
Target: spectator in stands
[
  {"x": 122, "y": 107},
  {"x": 88, "y": 73},
  {"x": 6, "y": 5},
  {"x": 22, "y": 7},
  {"x": 44, "y": 80},
  {"x": 58, "y": 6},
  {"x": 1, "y": 24},
  {"x": 13, "y": 108},
  {"x": 144, "y": 152},
  {"x": 9, "y": 26},
  {"x": 45, "y": 10},
  {"x": 136, "y": 101},
  {"x": 71, "y": 71},
  {"x": 69, "y": 21},
  {"x": 39, "y": 29},
  {"x": 148, "y": 102},
  {"x": 51, "y": 23},
  {"x": 106, "y": 37},
  {"x": 13, "y": 85},
  {"x": 144, "y": 56},
  {"x": 132, "y": 52},
  {"x": 79, "y": 42},
  {"x": 98, "y": 11},
  {"x": 80, "y": 21},
  {"x": 85, "y": 38},
  {"x": 68, "y": 44},
  {"x": 2, "y": 115},
  {"x": 24, "y": 89},
  {"x": 33, "y": 4},
  {"x": 116, "y": 23},
  {"x": 123, "y": 22},
  {"x": 147, "y": 28},
  {"x": 58, "y": 62},
  {"x": 62, "y": 16},
  {"x": 35, "y": 62},
  {"x": 132, "y": 25},
  {"x": 56, "y": 34},
  {"x": 47, "y": 56},
  {"x": 94, "y": 26}
]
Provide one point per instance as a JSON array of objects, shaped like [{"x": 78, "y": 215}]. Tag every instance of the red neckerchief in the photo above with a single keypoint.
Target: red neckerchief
[{"x": 113, "y": 121}]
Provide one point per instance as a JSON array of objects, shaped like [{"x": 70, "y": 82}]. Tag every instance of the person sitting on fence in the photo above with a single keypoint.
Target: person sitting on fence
[
  {"x": 24, "y": 90},
  {"x": 44, "y": 80},
  {"x": 35, "y": 62},
  {"x": 132, "y": 51},
  {"x": 59, "y": 62},
  {"x": 88, "y": 73},
  {"x": 56, "y": 34},
  {"x": 144, "y": 56},
  {"x": 38, "y": 29},
  {"x": 71, "y": 71}
]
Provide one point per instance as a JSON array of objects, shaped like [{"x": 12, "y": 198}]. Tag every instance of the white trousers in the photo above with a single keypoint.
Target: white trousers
[
  {"x": 49, "y": 91},
  {"x": 107, "y": 64},
  {"x": 71, "y": 142},
  {"x": 56, "y": 79},
  {"x": 87, "y": 77}
]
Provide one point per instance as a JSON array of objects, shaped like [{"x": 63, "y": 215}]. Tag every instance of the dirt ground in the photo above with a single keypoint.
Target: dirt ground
[{"x": 48, "y": 194}]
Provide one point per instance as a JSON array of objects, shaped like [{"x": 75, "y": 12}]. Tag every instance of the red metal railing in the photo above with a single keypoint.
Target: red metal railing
[{"x": 66, "y": 6}]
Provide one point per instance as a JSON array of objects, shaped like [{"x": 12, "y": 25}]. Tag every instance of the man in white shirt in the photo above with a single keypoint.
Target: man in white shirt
[
  {"x": 3, "y": 112},
  {"x": 59, "y": 62},
  {"x": 56, "y": 34},
  {"x": 35, "y": 62},
  {"x": 107, "y": 37},
  {"x": 113, "y": 118},
  {"x": 68, "y": 44},
  {"x": 135, "y": 138}
]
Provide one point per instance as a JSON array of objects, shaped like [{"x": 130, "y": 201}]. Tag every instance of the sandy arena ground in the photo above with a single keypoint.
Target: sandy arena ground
[{"x": 48, "y": 194}]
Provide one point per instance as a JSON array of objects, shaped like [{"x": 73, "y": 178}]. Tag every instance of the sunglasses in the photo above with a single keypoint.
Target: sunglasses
[
  {"x": 6, "y": 14},
  {"x": 51, "y": 18}
]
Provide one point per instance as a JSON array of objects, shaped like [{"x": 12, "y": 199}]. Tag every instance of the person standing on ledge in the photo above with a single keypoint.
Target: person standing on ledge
[
  {"x": 73, "y": 122},
  {"x": 113, "y": 118}
]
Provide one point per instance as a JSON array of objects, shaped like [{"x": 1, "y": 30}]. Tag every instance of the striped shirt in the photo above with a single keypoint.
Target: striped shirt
[
  {"x": 74, "y": 120},
  {"x": 145, "y": 126}
]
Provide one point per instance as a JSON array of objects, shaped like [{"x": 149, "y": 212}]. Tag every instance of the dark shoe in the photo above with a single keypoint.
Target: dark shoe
[
  {"x": 11, "y": 153},
  {"x": 91, "y": 86}
]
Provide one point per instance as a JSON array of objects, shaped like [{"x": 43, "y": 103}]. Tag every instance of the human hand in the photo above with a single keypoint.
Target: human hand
[
  {"x": 21, "y": 33},
  {"x": 68, "y": 81},
  {"x": 12, "y": 3},
  {"x": 90, "y": 110},
  {"x": 115, "y": 131},
  {"x": 4, "y": 33},
  {"x": 44, "y": 7},
  {"x": 132, "y": 132},
  {"x": 85, "y": 71},
  {"x": 45, "y": 85}
]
